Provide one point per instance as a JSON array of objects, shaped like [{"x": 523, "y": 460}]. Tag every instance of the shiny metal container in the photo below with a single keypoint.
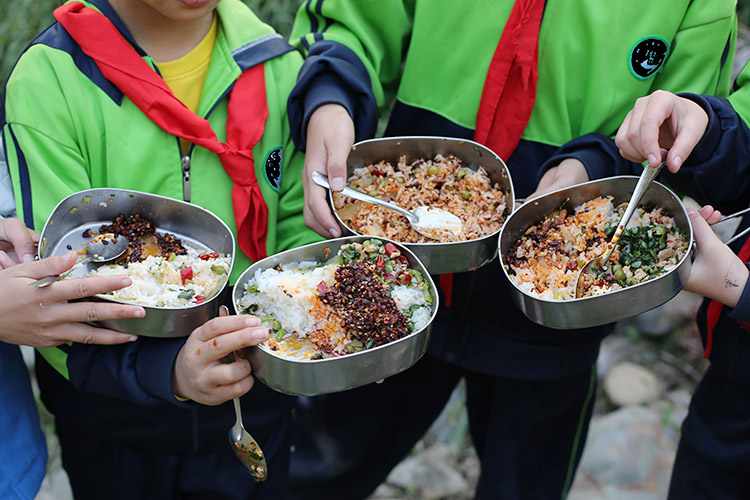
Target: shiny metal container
[
  {"x": 439, "y": 258},
  {"x": 612, "y": 306},
  {"x": 195, "y": 226},
  {"x": 323, "y": 376}
]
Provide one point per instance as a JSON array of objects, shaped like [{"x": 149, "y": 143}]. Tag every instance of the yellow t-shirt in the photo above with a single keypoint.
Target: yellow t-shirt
[{"x": 185, "y": 76}]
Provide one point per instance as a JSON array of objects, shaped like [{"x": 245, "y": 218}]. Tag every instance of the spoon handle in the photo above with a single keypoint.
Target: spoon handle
[
  {"x": 48, "y": 280},
  {"x": 322, "y": 180},
  {"x": 648, "y": 175}
]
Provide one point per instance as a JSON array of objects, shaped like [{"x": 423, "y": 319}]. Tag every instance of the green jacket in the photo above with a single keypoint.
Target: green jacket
[
  {"x": 595, "y": 59},
  {"x": 429, "y": 59},
  {"x": 67, "y": 130}
]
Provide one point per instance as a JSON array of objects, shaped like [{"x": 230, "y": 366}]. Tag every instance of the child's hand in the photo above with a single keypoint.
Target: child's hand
[
  {"x": 717, "y": 272},
  {"x": 330, "y": 135},
  {"x": 200, "y": 373},
  {"x": 16, "y": 243},
  {"x": 43, "y": 317},
  {"x": 661, "y": 120},
  {"x": 568, "y": 173}
]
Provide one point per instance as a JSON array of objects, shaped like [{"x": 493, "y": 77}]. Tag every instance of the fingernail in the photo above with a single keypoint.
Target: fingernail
[
  {"x": 690, "y": 211},
  {"x": 677, "y": 161},
  {"x": 337, "y": 183},
  {"x": 260, "y": 335},
  {"x": 651, "y": 160},
  {"x": 252, "y": 321},
  {"x": 140, "y": 313},
  {"x": 28, "y": 258},
  {"x": 335, "y": 232},
  {"x": 132, "y": 338},
  {"x": 126, "y": 282}
]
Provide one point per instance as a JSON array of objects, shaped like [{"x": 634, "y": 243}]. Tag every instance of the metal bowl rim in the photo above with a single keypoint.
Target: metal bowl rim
[
  {"x": 626, "y": 289},
  {"x": 344, "y": 239},
  {"x": 509, "y": 195},
  {"x": 165, "y": 199}
]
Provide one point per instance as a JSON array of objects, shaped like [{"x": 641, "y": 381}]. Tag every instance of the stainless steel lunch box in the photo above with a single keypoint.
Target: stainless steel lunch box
[
  {"x": 439, "y": 258},
  {"x": 612, "y": 306},
  {"x": 194, "y": 225},
  {"x": 323, "y": 376}
]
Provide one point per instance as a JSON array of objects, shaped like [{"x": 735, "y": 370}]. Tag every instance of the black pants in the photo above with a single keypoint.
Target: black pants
[
  {"x": 110, "y": 470},
  {"x": 713, "y": 457},
  {"x": 529, "y": 435}
]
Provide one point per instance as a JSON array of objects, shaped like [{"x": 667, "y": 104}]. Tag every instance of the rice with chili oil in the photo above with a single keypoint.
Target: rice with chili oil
[
  {"x": 364, "y": 297},
  {"x": 442, "y": 182},
  {"x": 547, "y": 259}
]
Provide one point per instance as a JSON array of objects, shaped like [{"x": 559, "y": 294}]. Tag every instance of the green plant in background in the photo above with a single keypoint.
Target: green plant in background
[{"x": 22, "y": 20}]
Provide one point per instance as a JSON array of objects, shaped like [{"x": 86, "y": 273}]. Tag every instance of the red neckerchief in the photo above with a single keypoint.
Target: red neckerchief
[
  {"x": 509, "y": 90},
  {"x": 510, "y": 87},
  {"x": 247, "y": 113},
  {"x": 714, "y": 308}
]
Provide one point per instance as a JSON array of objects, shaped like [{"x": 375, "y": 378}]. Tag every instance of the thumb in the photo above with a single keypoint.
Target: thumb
[
  {"x": 701, "y": 230},
  {"x": 57, "y": 264}
]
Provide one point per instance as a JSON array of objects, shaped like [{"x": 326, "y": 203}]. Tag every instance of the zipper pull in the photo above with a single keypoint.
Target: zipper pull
[{"x": 186, "y": 178}]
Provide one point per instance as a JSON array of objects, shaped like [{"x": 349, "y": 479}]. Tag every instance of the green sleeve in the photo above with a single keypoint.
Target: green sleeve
[
  {"x": 702, "y": 53},
  {"x": 377, "y": 31}
]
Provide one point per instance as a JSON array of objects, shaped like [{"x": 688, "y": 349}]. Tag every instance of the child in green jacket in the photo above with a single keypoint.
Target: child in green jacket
[
  {"x": 544, "y": 84},
  {"x": 185, "y": 99}
]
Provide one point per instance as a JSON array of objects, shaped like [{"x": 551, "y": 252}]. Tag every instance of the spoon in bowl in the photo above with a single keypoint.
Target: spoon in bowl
[
  {"x": 244, "y": 446},
  {"x": 103, "y": 248},
  {"x": 598, "y": 265},
  {"x": 428, "y": 221}
]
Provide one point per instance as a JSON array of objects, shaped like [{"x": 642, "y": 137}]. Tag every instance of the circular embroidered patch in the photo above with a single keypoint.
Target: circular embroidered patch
[
  {"x": 273, "y": 168},
  {"x": 647, "y": 56}
]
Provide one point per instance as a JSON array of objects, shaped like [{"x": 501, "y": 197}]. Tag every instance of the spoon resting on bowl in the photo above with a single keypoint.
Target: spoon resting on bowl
[
  {"x": 597, "y": 267},
  {"x": 103, "y": 248},
  {"x": 432, "y": 222}
]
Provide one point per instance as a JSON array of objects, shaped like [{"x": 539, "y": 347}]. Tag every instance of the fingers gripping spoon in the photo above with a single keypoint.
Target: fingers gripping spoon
[{"x": 244, "y": 446}]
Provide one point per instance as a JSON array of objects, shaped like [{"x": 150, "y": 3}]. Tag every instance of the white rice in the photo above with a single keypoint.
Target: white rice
[
  {"x": 289, "y": 294},
  {"x": 157, "y": 281}
]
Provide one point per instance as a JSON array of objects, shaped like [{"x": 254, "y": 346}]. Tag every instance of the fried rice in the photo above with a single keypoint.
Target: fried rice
[
  {"x": 546, "y": 261},
  {"x": 442, "y": 182}
]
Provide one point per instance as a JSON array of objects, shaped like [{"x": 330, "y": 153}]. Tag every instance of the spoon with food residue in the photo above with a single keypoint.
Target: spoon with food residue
[
  {"x": 244, "y": 446},
  {"x": 432, "y": 222},
  {"x": 103, "y": 248},
  {"x": 597, "y": 267}
]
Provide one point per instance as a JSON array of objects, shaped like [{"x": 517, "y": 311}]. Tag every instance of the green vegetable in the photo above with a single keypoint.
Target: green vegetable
[
  {"x": 218, "y": 270},
  {"x": 253, "y": 289},
  {"x": 349, "y": 255},
  {"x": 279, "y": 334},
  {"x": 186, "y": 294}
]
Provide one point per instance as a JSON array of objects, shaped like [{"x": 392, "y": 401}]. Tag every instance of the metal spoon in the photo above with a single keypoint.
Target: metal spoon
[
  {"x": 598, "y": 265},
  {"x": 244, "y": 446},
  {"x": 428, "y": 221},
  {"x": 103, "y": 248}
]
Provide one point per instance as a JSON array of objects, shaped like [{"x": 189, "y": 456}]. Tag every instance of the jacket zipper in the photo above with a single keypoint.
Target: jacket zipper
[
  {"x": 186, "y": 178},
  {"x": 185, "y": 160}
]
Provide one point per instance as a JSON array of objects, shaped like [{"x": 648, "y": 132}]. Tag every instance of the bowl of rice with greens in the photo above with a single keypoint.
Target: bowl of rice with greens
[
  {"x": 457, "y": 175},
  {"x": 548, "y": 240},
  {"x": 341, "y": 313}
]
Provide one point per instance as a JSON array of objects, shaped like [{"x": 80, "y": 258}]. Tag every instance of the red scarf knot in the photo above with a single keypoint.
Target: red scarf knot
[{"x": 247, "y": 113}]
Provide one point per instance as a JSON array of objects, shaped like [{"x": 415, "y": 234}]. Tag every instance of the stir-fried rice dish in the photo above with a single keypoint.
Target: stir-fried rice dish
[
  {"x": 165, "y": 272},
  {"x": 442, "y": 182},
  {"x": 364, "y": 297},
  {"x": 547, "y": 259}
]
